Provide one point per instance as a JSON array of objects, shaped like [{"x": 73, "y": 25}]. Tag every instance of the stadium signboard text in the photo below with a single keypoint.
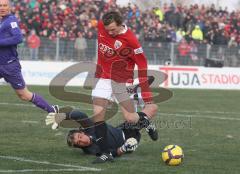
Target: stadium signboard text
[{"x": 201, "y": 77}]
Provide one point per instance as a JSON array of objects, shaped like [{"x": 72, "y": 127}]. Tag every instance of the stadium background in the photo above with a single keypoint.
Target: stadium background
[
  {"x": 205, "y": 123},
  {"x": 67, "y": 31}
]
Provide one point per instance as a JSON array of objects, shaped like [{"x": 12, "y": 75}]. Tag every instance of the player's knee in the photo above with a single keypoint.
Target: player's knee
[
  {"x": 99, "y": 114},
  {"x": 99, "y": 111}
]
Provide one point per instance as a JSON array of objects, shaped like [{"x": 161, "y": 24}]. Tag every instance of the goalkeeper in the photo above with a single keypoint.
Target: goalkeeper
[{"x": 85, "y": 137}]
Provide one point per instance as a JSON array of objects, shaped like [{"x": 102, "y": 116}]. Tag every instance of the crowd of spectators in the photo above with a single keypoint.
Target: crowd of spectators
[
  {"x": 70, "y": 19},
  {"x": 168, "y": 23}
]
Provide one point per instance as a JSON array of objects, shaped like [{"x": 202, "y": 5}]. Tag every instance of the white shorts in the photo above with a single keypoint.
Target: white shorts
[{"x": 110, "y": 90}]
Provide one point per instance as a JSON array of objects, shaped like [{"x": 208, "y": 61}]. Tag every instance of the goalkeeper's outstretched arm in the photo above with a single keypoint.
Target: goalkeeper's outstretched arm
[
  {"x": 81, "y": 118},
  {"x": 56, "y": 118}
]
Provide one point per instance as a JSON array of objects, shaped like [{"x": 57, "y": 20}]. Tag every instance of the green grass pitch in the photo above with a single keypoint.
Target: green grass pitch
[{"x": 205, "y": 123}]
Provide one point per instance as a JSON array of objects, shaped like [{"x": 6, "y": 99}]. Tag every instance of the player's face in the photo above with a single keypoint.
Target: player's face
[
  {"x": 113, "y": 29},
  {"x": 4, "y": 7},
  {"x": 81, "y": 139}
]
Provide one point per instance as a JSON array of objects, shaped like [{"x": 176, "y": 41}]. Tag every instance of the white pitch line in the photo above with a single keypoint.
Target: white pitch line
[
  {"x": 29, "y": 121},
  {"x": 48, "y": 163},
  {"x": 199, "y": 116},
  {"x": 209, "y": 112},
  {"x": 17, "y": 104},
  {"x": 43, "y": 170}
]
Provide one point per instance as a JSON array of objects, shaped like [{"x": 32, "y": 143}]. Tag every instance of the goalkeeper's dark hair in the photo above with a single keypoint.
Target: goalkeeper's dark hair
[
  {"x": 112, "y": 16},
  {"x": 70, "y": 138},
  {"x": 92, "y": 149}
]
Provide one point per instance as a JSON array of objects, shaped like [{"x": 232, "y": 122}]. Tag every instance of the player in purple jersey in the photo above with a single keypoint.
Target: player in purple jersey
[{"x": 10, "y": 68}]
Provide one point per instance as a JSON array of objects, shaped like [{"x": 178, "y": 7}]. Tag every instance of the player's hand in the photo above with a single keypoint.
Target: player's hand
[
  {"x": 55, "y": 119},
  {"x": 129, "y": 146}
]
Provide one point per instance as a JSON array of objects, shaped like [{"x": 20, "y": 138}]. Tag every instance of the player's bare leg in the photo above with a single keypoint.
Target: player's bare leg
[
  {"x": 150, "y": 110},
  {"x": 26, "y": 95},
  {"x": 140, "y": 119},
  {"x": 99, "y": 111},
  {"x": 128, "y": 111},
  {"x": 131, "y": 116}
]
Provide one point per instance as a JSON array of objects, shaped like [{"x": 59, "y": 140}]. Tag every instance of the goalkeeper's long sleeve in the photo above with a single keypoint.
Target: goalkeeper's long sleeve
[{"x": 81, "y": 118}]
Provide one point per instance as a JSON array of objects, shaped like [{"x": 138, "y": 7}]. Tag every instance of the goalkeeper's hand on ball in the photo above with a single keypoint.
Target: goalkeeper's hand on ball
[
  {"x": 130, "y": 145},
  {"x": 55, "y": 119}
]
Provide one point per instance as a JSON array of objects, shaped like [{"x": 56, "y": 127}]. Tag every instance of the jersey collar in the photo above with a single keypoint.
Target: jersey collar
[{"x": 5, "y": 17}]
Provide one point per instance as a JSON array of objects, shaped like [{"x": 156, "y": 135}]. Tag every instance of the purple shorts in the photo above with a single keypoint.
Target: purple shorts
[{"x": 13, "y": 75}]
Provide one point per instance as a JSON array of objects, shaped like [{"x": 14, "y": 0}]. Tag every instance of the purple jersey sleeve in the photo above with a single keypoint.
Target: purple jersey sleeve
[{"x": 10, "y": 33}]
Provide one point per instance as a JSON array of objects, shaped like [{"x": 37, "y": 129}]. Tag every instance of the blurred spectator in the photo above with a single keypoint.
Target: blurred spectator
[
  {"x": 180, "y": 34},
  {"x": 184, "y": 50},
  {"x": 157, "y": 11},
  {"x": 70, "y": 45},
  {"x": 33, "y": 42},
  {"x": 62, "y": 34},
  {"x": 197, "y": 33},
  {"x": 193, "y": 53},
  {"x": 219, "y": 37},
  {"x": 80, "y": 46},
  {"x": 234, "y": 52}
]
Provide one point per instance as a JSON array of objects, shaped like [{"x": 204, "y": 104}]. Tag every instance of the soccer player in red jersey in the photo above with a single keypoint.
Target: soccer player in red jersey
[{"x": 118, "y": 53}]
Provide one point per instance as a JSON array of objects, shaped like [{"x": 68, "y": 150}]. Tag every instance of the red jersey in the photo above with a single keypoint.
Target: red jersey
[
  {"x": 117, "y": 57},
  {"x": 33, "y": 41}
]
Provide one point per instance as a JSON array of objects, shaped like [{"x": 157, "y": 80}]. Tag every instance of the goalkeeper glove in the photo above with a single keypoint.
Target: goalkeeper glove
[
  {"x": 55, "y": 119},
  {"x": 129, "y": 146}
]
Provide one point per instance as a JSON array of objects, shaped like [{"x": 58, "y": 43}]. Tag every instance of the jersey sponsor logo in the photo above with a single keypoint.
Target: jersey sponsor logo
[
  {"x": 14, "y": 24},
  {"x": 117, "y": 44},
  {"x": 109, "y": 52},
  {"x": 138, "y": 50},
  {"x": 106, "y": 50},
  {"x": 10, "y": 61}
]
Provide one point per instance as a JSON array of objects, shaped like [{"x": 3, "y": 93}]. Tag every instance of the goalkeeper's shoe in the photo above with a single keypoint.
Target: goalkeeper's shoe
[
  {"x": 55, "y": 108},
  {"x": 152, "y": 131},
  {"x": 105, "y": 157}
]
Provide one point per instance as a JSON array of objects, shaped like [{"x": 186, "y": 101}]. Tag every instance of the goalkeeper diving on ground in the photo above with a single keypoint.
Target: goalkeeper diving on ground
[
  {"x": 84, "y": 137},
  {"x": 121, "y": 139}
]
